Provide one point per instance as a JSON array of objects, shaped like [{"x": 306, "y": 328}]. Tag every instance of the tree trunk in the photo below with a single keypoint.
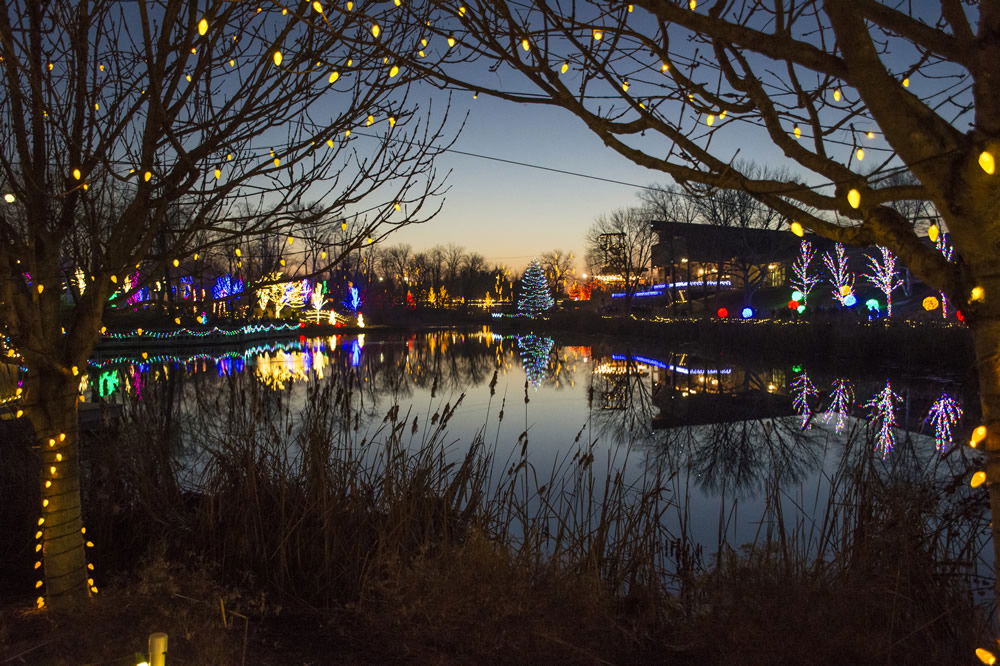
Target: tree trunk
[{"x": 51, "y": 404}]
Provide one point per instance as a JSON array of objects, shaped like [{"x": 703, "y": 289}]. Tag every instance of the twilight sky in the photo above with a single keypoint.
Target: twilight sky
[{"x": 509, "y": 213}]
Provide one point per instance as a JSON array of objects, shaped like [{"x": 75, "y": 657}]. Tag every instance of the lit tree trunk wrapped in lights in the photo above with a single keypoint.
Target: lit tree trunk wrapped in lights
[
  {"x": 840, "y": 277},
  {"x": 855, "y": 74},
  {"x": 883, "y": 275},
  {"x": 134, "y": 135},
  {"x": 803, "y": 279}
]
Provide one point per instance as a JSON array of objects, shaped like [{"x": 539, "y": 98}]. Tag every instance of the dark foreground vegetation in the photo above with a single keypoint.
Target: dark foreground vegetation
[{"x": 254, "y": 533}]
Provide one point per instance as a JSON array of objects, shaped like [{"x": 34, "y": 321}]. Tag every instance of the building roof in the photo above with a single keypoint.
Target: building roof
[{"x": 712, "y": 243}]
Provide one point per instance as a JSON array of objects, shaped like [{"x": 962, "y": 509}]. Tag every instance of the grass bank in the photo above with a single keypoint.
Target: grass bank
[{"x": 244, "y": 527}]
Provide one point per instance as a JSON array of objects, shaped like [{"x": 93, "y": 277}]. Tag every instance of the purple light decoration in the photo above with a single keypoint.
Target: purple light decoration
[
  {"x": 841, "y": 398},
  {"x": 883, "y": 411},
  {"x": 943, "y": 415},
  {"x": 802, "y": 390}
]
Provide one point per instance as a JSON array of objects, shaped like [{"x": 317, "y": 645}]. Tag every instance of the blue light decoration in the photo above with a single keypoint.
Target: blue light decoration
[
  {"x": 355, "y": 353},
  {"x": 798, "y": 296},
  {"x": 187, "y": 287},
  {"x": 802, "y": 390},
  {"x": 747, "y": 313},
  {"x": 353, "y": 300},
  {"x": 944, "y": 414},
  {"x": 226, "y": 286},
  {"x": 883, "y": 412},
  {"x": 249, "y": 329},
  {"x": 534, "y": 351},
  {"x": 850, "y": 300},
  {"x": 841, "y": 398}
]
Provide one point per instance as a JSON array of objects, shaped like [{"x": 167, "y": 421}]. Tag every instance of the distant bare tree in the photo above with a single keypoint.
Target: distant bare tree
[
  {"x": 558, "y": 266},
  {"x": 621, "y": 243}
]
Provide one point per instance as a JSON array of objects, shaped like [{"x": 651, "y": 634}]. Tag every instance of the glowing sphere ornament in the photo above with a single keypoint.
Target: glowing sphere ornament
[
  {"x": 797, "y": 295},
  {"x": 747, "y": 313},
  {"x": 722, "y": 313},
  {"x": 931, "y": 303},
  {"x": 850, "y": 300}
]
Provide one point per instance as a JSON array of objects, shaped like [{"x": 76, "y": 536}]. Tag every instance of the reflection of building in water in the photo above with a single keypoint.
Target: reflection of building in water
[
  {"x": 688, "y": 390},
  {"x": 616, "y": 379}
]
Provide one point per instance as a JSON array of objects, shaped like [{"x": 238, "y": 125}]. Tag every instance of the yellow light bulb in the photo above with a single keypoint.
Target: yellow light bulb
[
  {"x": 396, "y": 206},
  {"x": 329, "y": 142},
  {"x": 322, "y": 255},
  {"x": 933, "y": 232},
  {"x": 114, "y": 279},
  {"x": 202, "y": 26},
  {"x": 598, "y": 35},
  {"x": 41, "y": 288},
  {"x": 76, "y": 174},
  {"x": 277, "y": 57},
  {"x": 797, "y": 229},
  {"x": 931, "y": 303},
  {"x": 392, "y": 121},
  {"x": 710, "y": 120},
  {"x": 376, "y": 30},
  {"x": 906, "y": 83},
  {"x": 48, "y": 484},
  {"x": 564, "y": 68},
  {"x": 19, "y": 413},
  {"x": 75, "y": 370},
  {"x": 334, "y": 76},
  {"x": 978, "y": 435},
  {"x": 451, "y": 42},
  {"x": 291, "y": 240},
  {"x": 987, "y": 163},
  {"x": 138, "y": 331},
  {"x": 177, "y": 320},
  {"x": 870, "y": 135},
  {"x": 38, "y": 584},
  {"x": 347, "y": 133},
  {"x": 797, "y": 132},
  {"x": 38, "y": 565},
  {"x": 229, "y": 157},
  {"x": 986, "y": 656},
  {"x": 977, "y": 294},
  {"x": 860, "y": 154},
  {"x": 40, "y": 602},
  {"x": 854, "y": 198},
  {"x": 369, "y": 121},
  {"x": 343, "y": 226},
  {"x": 277, "y": 162},
  {"x": 978, "y": 479},
  {"x": 318, "y": 7},
  {"x": 664, "y": 67},
  {"x": 218, "y": 174},
  {"x": 239, "y": 252},
  {"x": 9, "y": 198},
  {"x": 693, "y": 4},
  {"x": 393, "y": 72},
  {"x": 525, "y": 44},
  {"x": 836, "y": 94},
  {"x": 625, "y": 86}
]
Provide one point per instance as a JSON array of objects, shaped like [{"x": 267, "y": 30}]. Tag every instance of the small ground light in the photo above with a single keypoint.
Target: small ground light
[
  {"x": 747, "y": 313},
  {"x": 722, "y": 313}
]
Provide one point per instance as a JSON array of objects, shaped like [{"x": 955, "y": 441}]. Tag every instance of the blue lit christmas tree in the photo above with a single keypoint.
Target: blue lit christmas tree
[{"x": 535, "y": 294}]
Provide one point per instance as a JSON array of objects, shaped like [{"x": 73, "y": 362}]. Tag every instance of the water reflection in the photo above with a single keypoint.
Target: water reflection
[{"x": 735, "y": 427}]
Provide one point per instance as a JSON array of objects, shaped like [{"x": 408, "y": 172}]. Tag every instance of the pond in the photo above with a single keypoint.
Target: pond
[{"x": 744, "y": 450}]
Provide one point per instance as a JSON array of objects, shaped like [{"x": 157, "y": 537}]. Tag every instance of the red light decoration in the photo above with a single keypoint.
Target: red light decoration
[
  {"x": 722, "y": 313},
  {"x": 959, "y": 316},
  {"x": 793, "y": 305}
]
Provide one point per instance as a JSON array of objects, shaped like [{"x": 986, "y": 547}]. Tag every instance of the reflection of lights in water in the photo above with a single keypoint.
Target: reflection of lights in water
[
  {"x": 883, "y": 411},
  {"x": 355, "y": 353},
  {"x": 943, "y": 415},
  {"x": 841, "y": 397},
  {"x": 534, "y": 351},
  {"x": 802, "y": 390}
]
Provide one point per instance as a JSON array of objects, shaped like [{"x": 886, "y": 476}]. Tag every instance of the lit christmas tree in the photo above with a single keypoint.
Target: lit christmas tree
[
  {"x": 803, "y": 280},
  {"x": 535, "y": 294},
  {"x": 883, "y": 275},
  {"x": 841, "y": 279}
]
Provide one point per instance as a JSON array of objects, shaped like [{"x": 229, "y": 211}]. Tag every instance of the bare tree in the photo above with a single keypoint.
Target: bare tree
[
  {"x": 621, "y": 243},
  {"x": 144, "y": 133},
  {"x": 683, "y": 88},
  {"x": 558, "y": 266}
]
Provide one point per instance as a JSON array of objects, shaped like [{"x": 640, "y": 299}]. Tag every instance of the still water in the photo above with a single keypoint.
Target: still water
[{"x": 740, "y": 445}]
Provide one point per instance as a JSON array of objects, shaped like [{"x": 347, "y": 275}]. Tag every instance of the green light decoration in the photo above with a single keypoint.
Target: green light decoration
[
  {"x": 797, "y": 296},
  {"x": 108, "y": 383}
]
